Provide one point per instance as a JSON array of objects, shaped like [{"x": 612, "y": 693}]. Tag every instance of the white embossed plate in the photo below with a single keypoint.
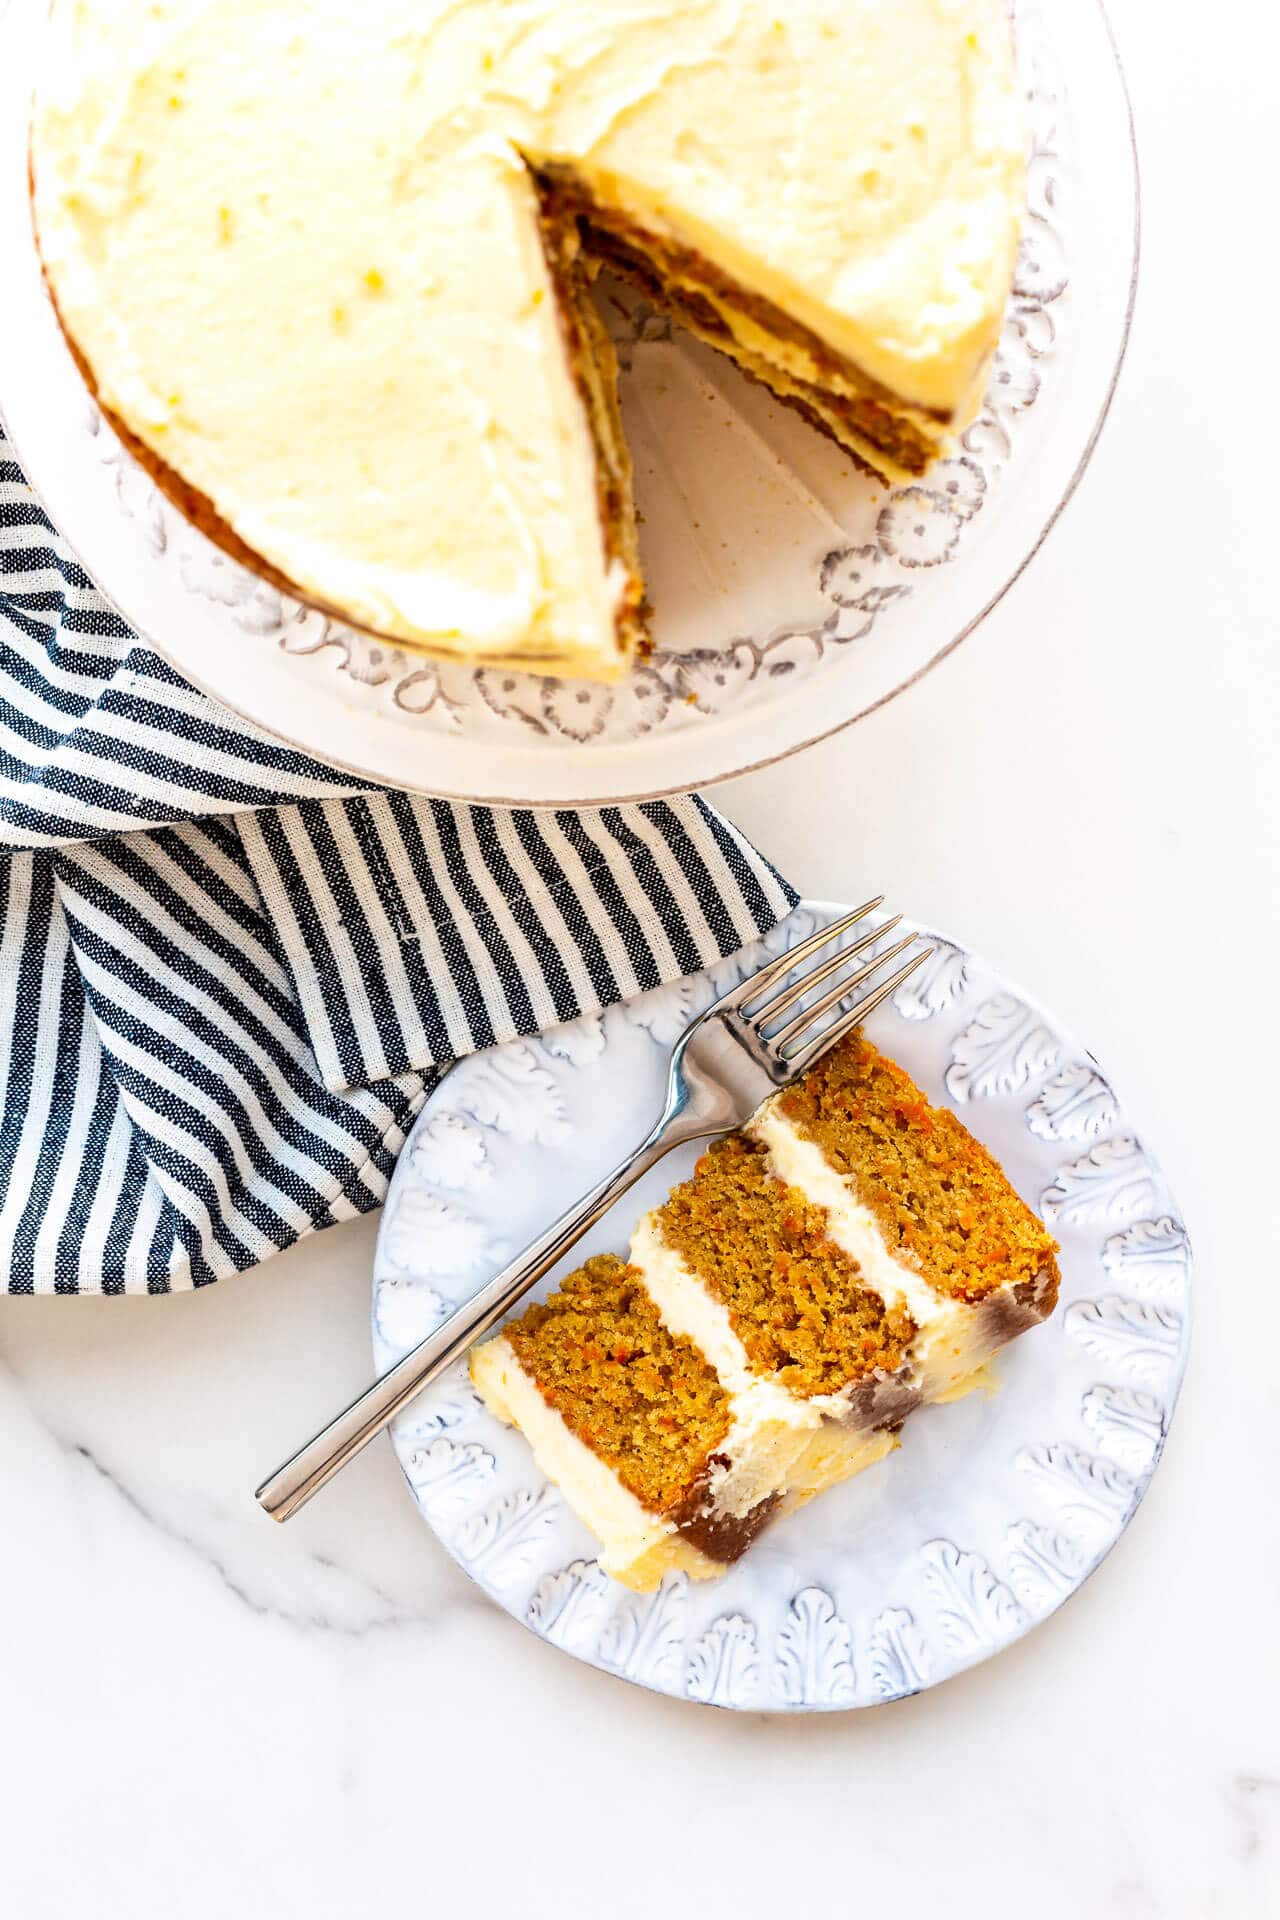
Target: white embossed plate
[
  {"x": 792, "y": 594},
  {"x": 990, "y": 1514}
]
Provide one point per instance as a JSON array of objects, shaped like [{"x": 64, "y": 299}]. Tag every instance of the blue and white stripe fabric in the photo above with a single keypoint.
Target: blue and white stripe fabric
[{"x": 228, "y": 980}]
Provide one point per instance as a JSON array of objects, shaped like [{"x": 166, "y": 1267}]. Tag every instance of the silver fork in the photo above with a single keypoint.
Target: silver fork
[{"x": 723, "y": 1066}]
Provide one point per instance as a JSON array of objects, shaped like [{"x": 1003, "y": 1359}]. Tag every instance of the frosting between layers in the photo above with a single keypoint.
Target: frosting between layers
[
  {"x": 637, "y": 1546},
  {"x": 299, "y": 250},
  {"x": 687, "y": 1307},
  {"x": 950, "y": 1344},
  {"x": 778, "y": 1442}
]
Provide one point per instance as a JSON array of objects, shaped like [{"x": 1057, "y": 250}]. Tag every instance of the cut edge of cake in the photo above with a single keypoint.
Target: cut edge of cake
[
  {"x": 782, "y": 1446},
  {"x": 883, "y": 432}
]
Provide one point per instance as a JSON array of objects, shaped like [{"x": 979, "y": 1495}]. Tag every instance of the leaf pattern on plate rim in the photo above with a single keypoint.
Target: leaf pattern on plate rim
[
  {"x": 509, "y": 1089},
  {"x": 405, "y": 1311},
  {"x": 577, "y": 1042},
  {"x": 724, "y": 1665},
  {"x": 448, "y": 1477},
  {"x": 814, "y": 1661},
  {"x": 1044, "y": 1566},
  {"x": 433, "y": 1414},
  {"x": 1152, "y": 1258},
  {"x": 1091, "y": 1494},
  {"x": 502, "y": 1540},
  {"x": 1005, "y": 1046},
  {"x": 1074, "y": 1104},
  {"x": 1111, "y": 1183},
  {"x": 938, "y": 984},
  {"x": 1133, "y": 1337},
  {"x": 1127, "y": 1424},
  {"x": 900, "y": 1660},
  {"x": 431, "y": 1233},
  {"x": 974, "y": 1608},
  {"x": 664, "y": 1012},
  {"x": 644, "y": 1639},
  {"x": 450, "y": 1151},
  {"x": 567, "y": 1606}
]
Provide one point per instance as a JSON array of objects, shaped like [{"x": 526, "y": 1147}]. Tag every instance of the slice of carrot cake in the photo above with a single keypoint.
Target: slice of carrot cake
[
  {"x": 853, "y": 1253},
  {"x": 670, "y": 1466}
]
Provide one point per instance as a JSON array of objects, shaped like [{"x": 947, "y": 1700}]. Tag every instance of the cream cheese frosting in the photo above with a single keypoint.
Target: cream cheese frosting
[
  {"x": 780, "y": 1445},
  {"x": 951, "y": 1345},
  {"x": 298, "y": 249},
  {"x": 637, "y": 1546}
]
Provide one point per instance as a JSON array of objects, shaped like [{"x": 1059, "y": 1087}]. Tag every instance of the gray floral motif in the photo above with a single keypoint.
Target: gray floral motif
[
  {"x": 1089, "y": 1493},
  {"x": 567, "y": 1606},
  {"x": 423, "y": 692},
  {"x": 814, "y": 1662},
  {"x": 1043, "y": 1565},
  {"x": 961, "y": 483},
  {"x": 576, "y": 709},
  {"x": 918, "y": 527},
  {"x": 406, "y": 1311},
  {"x": 1135, "y": 1339},
  {"x": 454, "y": 1150},
  {"x": 448, "y": 1478},
  {"x": 644, "y": 1639},
  {"x": 666, "y": 1011},
  {"x": 502, "y": 1541},
  {"x": 900, "y": 1661},
  {"x": 1127, "y": 1424},
  {"x": 712, "y": 680},
  {"x": 724, "y": 1668},
  {"x": 860, "y": 580},
  {"x": 251, "y": 602},
  {"x": 509, "y": 1089},
  {"x": 433, "y": 1414},
  {"x": 1113, "y": 1181},
  {"x": 578, "y": 1041},
  {"x": 1151, "y": 1258},
  {"x": 1074, "y": 1104},
  {"x": 137, "y": 496},
  {"x": 433, "y": 1233},
  {"x": 974, "y": 1608},
  {"x": 1006, "y": 1046},
  {"x": 934, "y": 986}
]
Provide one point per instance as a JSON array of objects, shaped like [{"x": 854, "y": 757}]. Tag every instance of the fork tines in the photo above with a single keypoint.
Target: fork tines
[{"x": 795, "y": 1041}]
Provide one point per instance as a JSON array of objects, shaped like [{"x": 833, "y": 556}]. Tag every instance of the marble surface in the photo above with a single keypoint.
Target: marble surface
[{"x": 204, "y": 1716}]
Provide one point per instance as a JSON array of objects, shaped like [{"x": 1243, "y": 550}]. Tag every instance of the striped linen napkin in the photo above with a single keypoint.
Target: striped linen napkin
[{"x": 229, "y": 979}]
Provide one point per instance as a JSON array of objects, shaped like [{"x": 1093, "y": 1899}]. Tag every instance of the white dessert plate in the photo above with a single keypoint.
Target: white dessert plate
[
  {"x": 792, "y": 594},
  {"x": 991, "y": 1512}
]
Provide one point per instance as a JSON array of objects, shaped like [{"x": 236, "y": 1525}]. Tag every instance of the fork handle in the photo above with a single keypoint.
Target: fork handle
[{"x": 293, "y": 1484}]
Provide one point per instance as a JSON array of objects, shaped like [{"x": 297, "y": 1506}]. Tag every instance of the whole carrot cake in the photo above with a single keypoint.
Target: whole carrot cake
[
  {"x": 852, "y": 1254},
  {"x": 328, "y": 268}
]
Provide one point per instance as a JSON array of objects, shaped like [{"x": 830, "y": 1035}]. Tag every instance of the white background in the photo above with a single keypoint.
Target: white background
[{"x": 204, "y": 1717}]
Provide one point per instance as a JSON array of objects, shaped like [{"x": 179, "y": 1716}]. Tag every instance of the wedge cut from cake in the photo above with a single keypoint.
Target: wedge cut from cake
[
  {"x": 852, "y": 1254},
  {"x": 328, "y": 269}
]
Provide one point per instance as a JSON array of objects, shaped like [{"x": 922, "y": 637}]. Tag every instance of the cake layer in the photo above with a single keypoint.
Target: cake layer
[
  {"x": 637, "y": 1546},
  {"x": 299, "y": 253},
  {"x": 881, "y": 431},
  {"x": 667, "y": 1465},
  {"x": 640, "y": 1397},
  {"x": 802, "y": 1330},
  {"x": 940, "y": 1201},
  {"x": 793, "y": 1296}
]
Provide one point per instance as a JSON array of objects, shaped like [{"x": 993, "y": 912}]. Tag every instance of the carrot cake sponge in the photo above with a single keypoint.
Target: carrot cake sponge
[{"x": 850, "y": 1255}]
